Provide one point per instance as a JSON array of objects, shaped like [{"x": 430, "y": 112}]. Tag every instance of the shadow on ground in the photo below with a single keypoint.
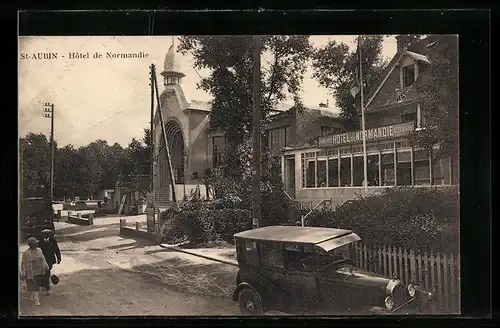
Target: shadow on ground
[
  {"x": 88, "y": 235},
  {"x": 214, "y": 279},
  {"x": 115, "y": 292},
  {"x": 61, "y": 232}
]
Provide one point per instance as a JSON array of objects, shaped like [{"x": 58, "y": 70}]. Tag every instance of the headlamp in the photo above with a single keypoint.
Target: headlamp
[
  {"x": 389, "y": 303},
  {"x": 411, "y": 290}
]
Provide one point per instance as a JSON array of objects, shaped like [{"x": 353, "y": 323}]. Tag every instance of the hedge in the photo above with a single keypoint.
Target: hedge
[
  {"x": 422, "y": 218},
  {"x": 203, "y": 225}
]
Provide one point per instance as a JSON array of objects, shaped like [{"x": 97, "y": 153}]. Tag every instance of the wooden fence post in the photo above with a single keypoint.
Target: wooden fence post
[
  {"x": 433, "y": 272},
  {"x": 79, "y": 216},
  {"x": 137, "y": 226},
  {"x": 400, "y": 263},
  {"x": 91, "y": 219},
  {"x": 384, "y": 254},
  {"x": 439, "y": 281},
  {"x": 446, "y": 292},
  {"x": 426, "y": 271},
  {"x": 419, "y": 271},
  {"x": 380, "y": 267},
  {"x": 453, "y": 283},
  {"x": 123, "y": 223},
  {"x": 413, "y": 271},
  {"x": 405, "y": 266}
]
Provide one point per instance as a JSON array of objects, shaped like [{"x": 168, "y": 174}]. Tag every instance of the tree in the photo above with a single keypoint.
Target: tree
[
  {"x": 440, "y": 98},
  {"x": 35, "y": 165},
  {"x": 66, "y": 172},
  {"x": 335, "y": 68},
  {"x": 229, "y": 59}
]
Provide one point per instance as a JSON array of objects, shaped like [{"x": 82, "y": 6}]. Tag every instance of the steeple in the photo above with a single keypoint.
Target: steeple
[{"x": 172, "y": 73}]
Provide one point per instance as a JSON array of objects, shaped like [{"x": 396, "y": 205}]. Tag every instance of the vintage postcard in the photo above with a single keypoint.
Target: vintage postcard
[{"x": 238, "y": 175}]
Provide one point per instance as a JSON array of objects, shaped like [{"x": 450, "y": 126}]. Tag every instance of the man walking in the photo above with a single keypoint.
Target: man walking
[{"x": 50, "y": 249}]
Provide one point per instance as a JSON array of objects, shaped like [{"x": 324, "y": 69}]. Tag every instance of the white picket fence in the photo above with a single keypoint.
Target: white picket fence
[{"x": 436, "y": 272}]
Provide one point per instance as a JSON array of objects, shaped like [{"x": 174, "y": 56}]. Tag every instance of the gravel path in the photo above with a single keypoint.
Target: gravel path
[{"x": 103, "y": 274}]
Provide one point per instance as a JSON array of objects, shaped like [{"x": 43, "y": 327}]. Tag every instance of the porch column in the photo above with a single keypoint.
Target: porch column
[{"x": 283, "y": 168}]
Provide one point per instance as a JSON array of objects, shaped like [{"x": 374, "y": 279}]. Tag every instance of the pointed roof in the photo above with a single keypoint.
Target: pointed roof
[
  {"x": 420, "y": 46},
  {"x": 171, "y": 64}
]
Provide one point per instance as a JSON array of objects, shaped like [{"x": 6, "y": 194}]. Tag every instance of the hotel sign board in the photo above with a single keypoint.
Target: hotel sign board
[{"x": 384, "y": 132}]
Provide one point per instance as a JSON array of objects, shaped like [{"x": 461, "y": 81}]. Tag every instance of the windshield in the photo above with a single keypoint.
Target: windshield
[{"x": 319, "y": 260}]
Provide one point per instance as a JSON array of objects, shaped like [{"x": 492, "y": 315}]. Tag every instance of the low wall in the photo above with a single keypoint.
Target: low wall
[
  {"x": 136, "y": 232},
  {"x": 338, "y": 196},
  {"x": 80, "y": 220}
]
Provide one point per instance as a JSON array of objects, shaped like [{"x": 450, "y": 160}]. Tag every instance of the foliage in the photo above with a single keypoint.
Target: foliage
[
  {"x": 35, "y": 150},
  {"x": 79, "y": 171},
  {"x": 229, "y": 60},
  {"x": 202, "y": 225},
  {"x": 335, "y": 68},
  {"x": 411, "y": 217},
  {"x": 440, "y": 104}
]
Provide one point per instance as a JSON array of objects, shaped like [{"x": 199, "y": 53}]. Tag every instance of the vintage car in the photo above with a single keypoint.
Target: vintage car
[
  {"x": 309, "y": 270},
  {"x": 36, "y": 214}
]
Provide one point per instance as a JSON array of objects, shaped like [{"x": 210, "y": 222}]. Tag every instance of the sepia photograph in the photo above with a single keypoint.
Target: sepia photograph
[{"x": 239, "y": 175}]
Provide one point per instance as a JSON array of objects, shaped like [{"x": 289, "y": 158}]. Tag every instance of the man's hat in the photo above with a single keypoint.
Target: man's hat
[
  {"x": 32, "y": 241},
  {"x": 46, "y": 231}
]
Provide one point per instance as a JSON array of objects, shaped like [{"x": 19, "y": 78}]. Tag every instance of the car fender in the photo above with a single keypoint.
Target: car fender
[
  {"x": 240, "y": 287},
  {"x": 375, "y": 310}
]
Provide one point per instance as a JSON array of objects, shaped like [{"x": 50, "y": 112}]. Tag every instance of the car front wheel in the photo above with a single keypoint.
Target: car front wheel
[{"x": 250, "y": 302}]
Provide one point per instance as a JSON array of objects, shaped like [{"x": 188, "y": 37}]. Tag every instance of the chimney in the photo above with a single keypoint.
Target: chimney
[{"x": 400, "y": 43}]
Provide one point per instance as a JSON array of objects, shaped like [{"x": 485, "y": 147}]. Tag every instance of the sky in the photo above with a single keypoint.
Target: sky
[{"x": 110, "y": 99}]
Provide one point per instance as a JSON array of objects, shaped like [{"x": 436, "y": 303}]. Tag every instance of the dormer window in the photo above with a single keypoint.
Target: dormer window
[{"x": 408, "y": 76}]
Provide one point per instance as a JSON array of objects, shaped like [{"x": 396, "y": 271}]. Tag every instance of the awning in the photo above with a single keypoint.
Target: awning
[{"x": 334, "y": 243}]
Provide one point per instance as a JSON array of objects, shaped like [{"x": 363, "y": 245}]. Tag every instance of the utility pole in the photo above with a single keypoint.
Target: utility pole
[
  {"x": 48, "y": 112},
  {"x": 164, "y": 133},
  {"x": 151, "y": 134},
  {"x": 257, "y": 212},
  {"x": 363, "y": 132}
]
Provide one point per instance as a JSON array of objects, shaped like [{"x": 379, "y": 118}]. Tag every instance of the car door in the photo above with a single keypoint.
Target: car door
[
  {"x": 273, "y": 271},
  {"x": 302, "y": 280}
]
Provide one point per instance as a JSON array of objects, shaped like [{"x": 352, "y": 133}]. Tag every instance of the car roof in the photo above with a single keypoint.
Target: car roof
[{"x": 293, "y": 234}]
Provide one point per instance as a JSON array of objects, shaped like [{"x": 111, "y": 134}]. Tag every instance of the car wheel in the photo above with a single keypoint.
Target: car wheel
[{"x": 250, "y": 302}]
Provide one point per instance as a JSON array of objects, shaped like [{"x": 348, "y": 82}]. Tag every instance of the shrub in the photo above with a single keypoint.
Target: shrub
[
  {"x": 421, "y": 218},
  {"x": 203, "y": 225}
]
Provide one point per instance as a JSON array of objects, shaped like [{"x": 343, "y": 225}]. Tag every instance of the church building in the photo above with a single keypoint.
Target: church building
[{"x": 193, "y": 147}]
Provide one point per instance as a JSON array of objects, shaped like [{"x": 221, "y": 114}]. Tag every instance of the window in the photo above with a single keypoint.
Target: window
[
  {"x": 404, "y": 168},
  {"x": 345, "y": 172},
  {"x": 304, "y": 172},
  {"x": 333, "y": 169},
  {"x": 247, "y": 253},
  {"x": 311, "y": 174},
  {"x": 372, "y": 170},
  {"x": 326, "y": 130},
  {"x": 293, "y": 256},
  {"x": 358, "y": 171},
  {"x": 408, "y": 76},
  {"x": 278, "y": 138},
  {"x": 217, "y": 150},
  {"x": 421, "y": 167},
  {"x": 409, "y": 117},
  {"x": 321, "y": 174},
  {"x": 271, "y": 254},
  {"x": 179, "y": 175},
  {"x": 388, "y": 169}
]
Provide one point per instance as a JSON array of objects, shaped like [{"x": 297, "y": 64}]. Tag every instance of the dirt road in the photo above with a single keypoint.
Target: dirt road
[{"x": 103, "y": 274}]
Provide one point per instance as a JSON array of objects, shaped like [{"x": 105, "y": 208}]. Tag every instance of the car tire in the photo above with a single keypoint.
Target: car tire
[{"x": 250, "y": 302}]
